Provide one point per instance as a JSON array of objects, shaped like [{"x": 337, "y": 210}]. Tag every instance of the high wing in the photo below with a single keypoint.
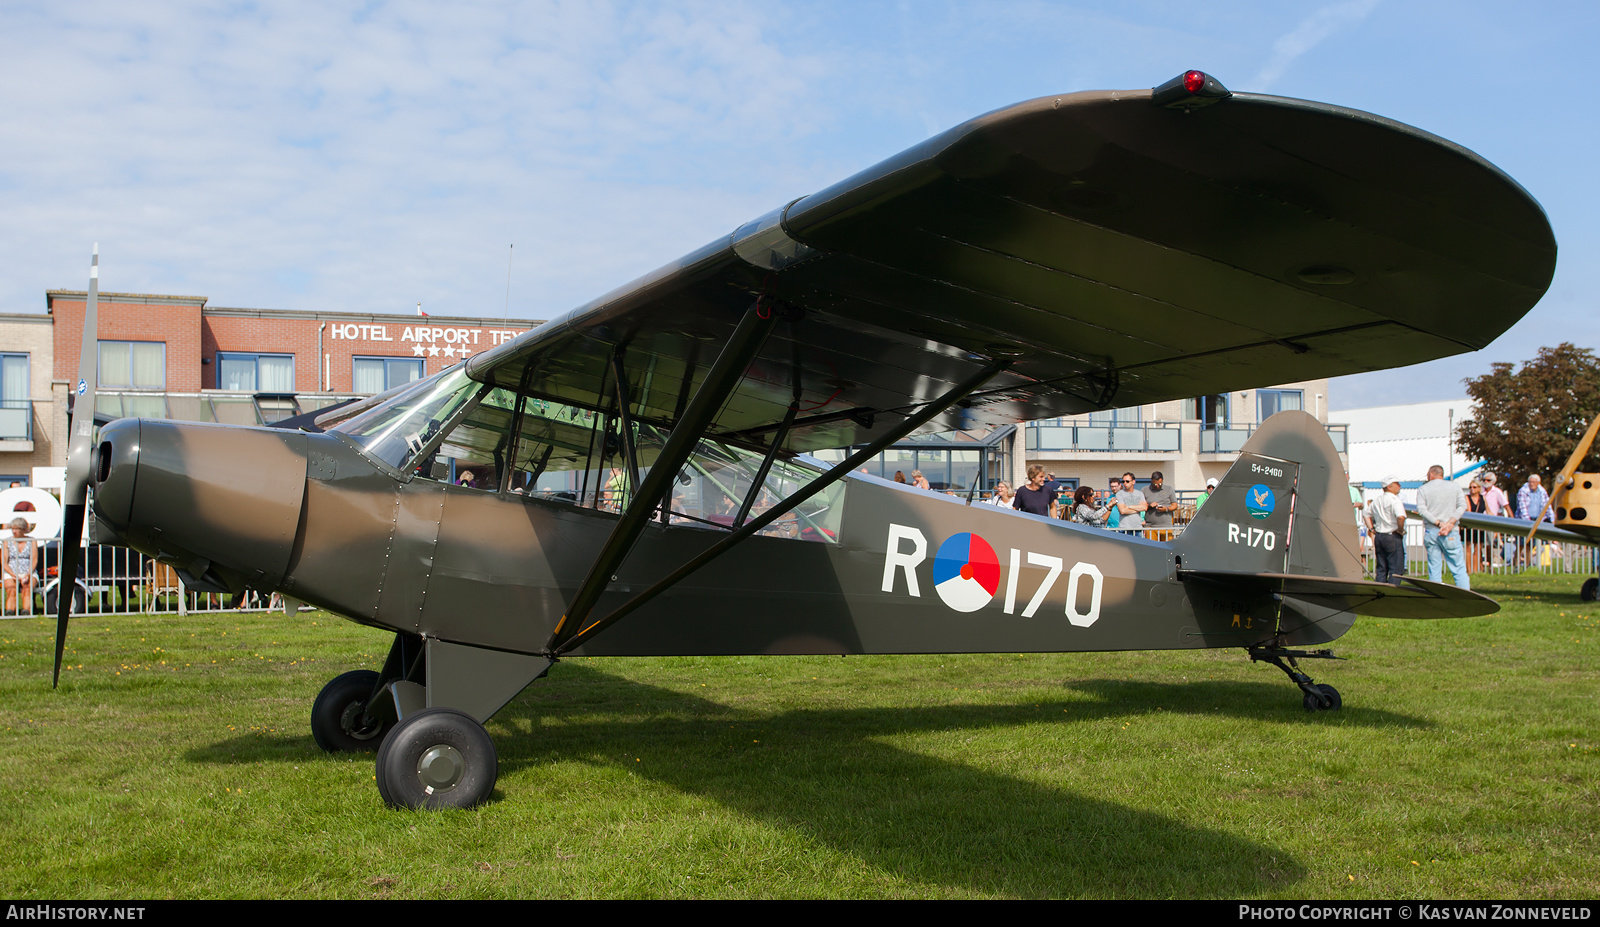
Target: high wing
[{"x": 1118, "y": 251}]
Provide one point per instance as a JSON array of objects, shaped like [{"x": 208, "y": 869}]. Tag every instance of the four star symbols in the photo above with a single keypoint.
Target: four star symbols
[{"x": 432, "y": 350}]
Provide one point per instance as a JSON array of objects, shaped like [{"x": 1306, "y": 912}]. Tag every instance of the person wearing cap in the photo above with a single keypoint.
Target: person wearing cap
[
  {"x": 1386, "y": 524},
  {"x": 17, "y": 561},
  {"x": 1210, "y": 485}
]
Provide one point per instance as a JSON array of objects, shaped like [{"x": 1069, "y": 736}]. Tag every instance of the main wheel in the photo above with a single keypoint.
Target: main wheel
[
  {"x": 336, "y": 715},
  {"x": 438, "y": 758},
  {"x": 1324, "y": 698},
  {"x": 1590, "y": 590},
  {"x": 52, "y": 600}
]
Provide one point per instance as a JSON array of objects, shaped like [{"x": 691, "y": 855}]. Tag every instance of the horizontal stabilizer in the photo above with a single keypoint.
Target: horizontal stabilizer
[{"x": 1410, "y": 598}]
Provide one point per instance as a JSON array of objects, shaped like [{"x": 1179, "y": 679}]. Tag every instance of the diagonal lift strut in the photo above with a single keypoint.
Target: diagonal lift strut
[
  {"x": 912, "y": 423},
  {"x": 720, "y": 382}
]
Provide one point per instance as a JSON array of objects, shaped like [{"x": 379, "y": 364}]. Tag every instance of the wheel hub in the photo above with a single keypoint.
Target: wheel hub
[
  {"x": 440, "y": 768},
  {"x": 350, "y": 721}
]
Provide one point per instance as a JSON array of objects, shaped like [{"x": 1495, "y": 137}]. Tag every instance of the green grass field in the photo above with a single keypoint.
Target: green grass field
[{"x": 176, "y": 761}]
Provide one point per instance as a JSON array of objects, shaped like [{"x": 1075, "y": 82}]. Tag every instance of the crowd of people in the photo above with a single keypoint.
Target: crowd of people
[
  {"x": 1122, "y": 507},
  {"x": 1440, "y": 505}
]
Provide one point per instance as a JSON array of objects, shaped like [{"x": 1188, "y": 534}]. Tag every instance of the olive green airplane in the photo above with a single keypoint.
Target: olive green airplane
[{"x": 640, "y": 478}]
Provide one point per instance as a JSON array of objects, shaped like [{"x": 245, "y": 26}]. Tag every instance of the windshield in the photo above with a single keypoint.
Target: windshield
[{"x": 396, "y": 430}]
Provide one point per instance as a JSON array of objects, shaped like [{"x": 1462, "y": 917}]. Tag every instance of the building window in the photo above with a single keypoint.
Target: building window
[
  {"x": 1270, "y": 402},
  {"x": 15, "y": 412},
  {"x": 376, "y": 374},
  {"x": 1212, "y": 411},
  {"x": 133, "y": 364},
  {"x": 256, "y": 373}
]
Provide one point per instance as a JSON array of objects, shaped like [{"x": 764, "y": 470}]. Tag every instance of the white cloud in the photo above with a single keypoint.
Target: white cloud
[
  {"x": 1310, "y": 33},
  {"x": 387, "y": 155}
]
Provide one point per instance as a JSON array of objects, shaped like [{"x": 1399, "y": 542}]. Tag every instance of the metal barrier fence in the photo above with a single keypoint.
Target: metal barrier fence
[
  {"x": 1499, "y": 552},
  {"x": 118, "y": 581}
]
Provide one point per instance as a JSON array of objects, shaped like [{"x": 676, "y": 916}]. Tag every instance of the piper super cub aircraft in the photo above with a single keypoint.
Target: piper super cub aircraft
[{"x": 641, "y": 484}]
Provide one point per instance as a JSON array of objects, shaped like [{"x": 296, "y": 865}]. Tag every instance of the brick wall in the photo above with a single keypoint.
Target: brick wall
[
  {"x": 438, "y": 342},
  {"x": 172, "y": 320}
]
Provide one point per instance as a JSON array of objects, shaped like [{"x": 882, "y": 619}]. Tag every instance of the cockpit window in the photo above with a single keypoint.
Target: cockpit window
[
  {"x": 452, "y": 429},
  {"x": 715, "y": 482},
  {"x": 397, "y": 430}
]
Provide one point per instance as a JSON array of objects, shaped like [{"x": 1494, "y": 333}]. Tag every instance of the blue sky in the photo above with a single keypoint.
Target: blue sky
[{"x": 371, "y": 156}]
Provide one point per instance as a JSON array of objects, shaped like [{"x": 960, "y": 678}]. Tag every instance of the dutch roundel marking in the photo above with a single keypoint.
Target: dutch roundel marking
[
  {"x": 1258, "y": 500},
  {"x": 966, "y": 572}
]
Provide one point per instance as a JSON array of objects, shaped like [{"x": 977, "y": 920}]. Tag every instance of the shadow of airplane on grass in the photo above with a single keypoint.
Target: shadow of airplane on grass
[{"x": 828, "y": 774}]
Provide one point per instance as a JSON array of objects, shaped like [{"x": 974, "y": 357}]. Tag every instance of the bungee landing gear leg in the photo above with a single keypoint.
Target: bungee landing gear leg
[{"x": 1321, "y": 697}]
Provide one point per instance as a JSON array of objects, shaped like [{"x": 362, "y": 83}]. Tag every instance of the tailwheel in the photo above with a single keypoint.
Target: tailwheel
[
  {"x": 1322, "y": 697},
  {"x": 340, "y": 722},
  {"x": 1590, "y": 590},
  {"x": 438, "y": 758},
  {"x": 1318, "y": 697}
]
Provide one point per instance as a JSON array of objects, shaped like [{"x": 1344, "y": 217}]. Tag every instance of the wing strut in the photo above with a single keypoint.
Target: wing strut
[
  {"x": 912, "y": 423},
  {"x": 623, "y": 399},
  {"x": 760, "y": 480},
  {"x": 719, "y": 384}
]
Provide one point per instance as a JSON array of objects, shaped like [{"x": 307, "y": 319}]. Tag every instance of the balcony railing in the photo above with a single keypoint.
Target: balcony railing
[
  {"x": 1066, "y": 435},
  {"x": 16, "y": 420},
  {"x": 1230, "y": 439},
  {"x": 1073, "y": 436}
]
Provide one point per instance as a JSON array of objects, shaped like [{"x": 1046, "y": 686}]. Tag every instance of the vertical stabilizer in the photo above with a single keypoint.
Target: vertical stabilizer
[{"x": 1283, "y": 507}]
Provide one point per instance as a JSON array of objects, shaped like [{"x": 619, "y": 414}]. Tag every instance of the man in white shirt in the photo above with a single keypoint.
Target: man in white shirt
[
  {"x": 1440, "y": 505},
  {"x": 1386, "y": 523}
]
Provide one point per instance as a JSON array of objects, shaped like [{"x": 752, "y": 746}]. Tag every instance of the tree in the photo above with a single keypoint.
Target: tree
[{"x": 1530, "y": 421}]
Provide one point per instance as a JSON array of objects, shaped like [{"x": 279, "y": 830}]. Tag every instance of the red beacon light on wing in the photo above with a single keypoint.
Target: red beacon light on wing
[{"x": 1189, "y": 91}]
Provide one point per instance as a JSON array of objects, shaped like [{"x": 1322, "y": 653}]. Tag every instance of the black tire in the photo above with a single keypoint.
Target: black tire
[
  {"x": 1591, "y": 589},
  {"x": 1323, "y": 698},
  {"x": 52, "y": 600},
  {"x": 336, "y": 715},
  {"x": 438, "y": 758}
]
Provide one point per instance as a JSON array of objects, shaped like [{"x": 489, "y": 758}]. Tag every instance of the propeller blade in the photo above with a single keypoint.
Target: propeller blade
[
  {"x": 80, "y": 430},
  {"x": 1564, "y": 478},
  {"x": 70, "y": 555}
]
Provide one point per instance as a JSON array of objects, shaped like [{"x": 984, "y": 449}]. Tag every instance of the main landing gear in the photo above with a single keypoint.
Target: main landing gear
[
  {"x": 340, "y": 722},
  {"x": 424, "y": 714},
  {"x": 437, "y": 758},
  {"x": 1591, "y": 589},
  {"x": 1317, "y": 697}
]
